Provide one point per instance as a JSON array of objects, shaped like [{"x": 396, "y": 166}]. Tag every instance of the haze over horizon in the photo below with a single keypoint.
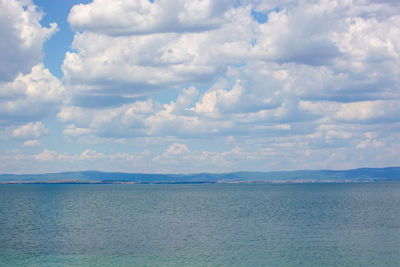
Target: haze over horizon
[{"x": 190, "y": 86}]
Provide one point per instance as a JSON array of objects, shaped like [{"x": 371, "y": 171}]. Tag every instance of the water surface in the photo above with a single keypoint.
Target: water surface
[{"x": 200, "y": 225}]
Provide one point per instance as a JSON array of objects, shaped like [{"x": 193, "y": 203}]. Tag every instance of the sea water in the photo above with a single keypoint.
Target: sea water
[{"x": 348, "y": 224}]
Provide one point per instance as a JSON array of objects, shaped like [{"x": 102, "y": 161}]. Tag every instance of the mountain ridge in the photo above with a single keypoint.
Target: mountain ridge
[{"x": 92, "y": 176}]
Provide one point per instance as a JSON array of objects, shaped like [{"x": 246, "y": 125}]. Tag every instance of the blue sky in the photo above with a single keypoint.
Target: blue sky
[{"x": 198, "y": 86}]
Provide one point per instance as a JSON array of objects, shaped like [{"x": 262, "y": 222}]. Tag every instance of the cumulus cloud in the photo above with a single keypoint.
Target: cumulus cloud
[
  {"x": 218, "y": 100},
  {"x": 367, "y": 111},
  {"x": 51, "y": 155},
  {"x": 30, "y": 130},
  {"x": 126, "y": 120},
  {"x": 177, "y": 149},
  {"x": 47, "y": 155},
  {"x": 22, "y": 38},
  {"x": 28, "y": 91},
  {"x": 345, "y": 49},
  {"x": 30, "y": 97},
  {"x": 139, "y": 64},
  {"x": 256, "y": 83},
  {"x": 378, "y": 111},
  {"x": 145, "y": 17}
]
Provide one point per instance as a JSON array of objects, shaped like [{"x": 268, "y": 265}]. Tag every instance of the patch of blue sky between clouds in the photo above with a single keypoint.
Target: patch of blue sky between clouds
[
  {"x": 262, "y": 16},
  {"x": 55, "y": 48}
]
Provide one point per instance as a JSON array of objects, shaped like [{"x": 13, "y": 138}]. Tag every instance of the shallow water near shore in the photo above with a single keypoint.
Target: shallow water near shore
[{"x": 346, "y": 224}]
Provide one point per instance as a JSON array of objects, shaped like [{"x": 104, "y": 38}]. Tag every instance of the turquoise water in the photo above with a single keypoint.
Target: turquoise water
[{"x": 200, "y": 225}]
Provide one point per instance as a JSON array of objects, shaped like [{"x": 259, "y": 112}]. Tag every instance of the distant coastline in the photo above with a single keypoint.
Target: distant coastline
[
  {"x": 302, "y": 176},
  {"x": 172, "y": 182}
]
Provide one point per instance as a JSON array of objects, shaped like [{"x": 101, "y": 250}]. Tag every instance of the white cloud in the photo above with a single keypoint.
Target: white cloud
[
  {"x": 378, "y": 111},
  {"x": 30, "y": 130},
  {"x": 126, "y": 120},
  {"x": 91, "y": 155},
  {"x": 28, "y": 91},
  {"x": 47, "y": 155},
  {"x": 218, "y": 100},
  {"x": 144, "y": 17},
  {"x": 317, "y": 49},
  {"x": 140, "y": 64},
  {"x": 177, "y": 149},
  {"x": 22, "y": 37},
  {"x": 31, "y": 143},
  {"x": 72, "y": 130},
  {"x": 278, "y": 153},
  {"x": 296, "y": 90},
  {"x": 30, "y": 97},
  {"x": 54, "y": 161}
]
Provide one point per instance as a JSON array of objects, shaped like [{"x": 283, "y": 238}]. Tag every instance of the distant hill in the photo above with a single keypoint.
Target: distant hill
[{"x": 354, "y": 175}]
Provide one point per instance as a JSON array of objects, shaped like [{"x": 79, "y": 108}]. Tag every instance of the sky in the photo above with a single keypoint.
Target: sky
[{"x": 186, "y": 86}]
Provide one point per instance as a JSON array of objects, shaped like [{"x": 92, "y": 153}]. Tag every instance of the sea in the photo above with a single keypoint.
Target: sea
[{"x": 314, "y": 224}]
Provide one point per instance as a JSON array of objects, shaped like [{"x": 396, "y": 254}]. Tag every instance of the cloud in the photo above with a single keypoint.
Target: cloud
[
  {"x": 91, "y": 155},
  {"x": 51, "y": 155},
  {"x": 31, "y": 143},
  {"x": 47, "y": 155},
  {"x": 278, "y": 153},
  {"x": 145, "y": 17},
  {"x": 28, "y": 91},
  {"x": 53, "y": 161},
  {"x": 298, "y": 87},
  {"x": 126, "y": 120},
  {"x": 336, "y": 44},
  {"x": 260, "y": 98},
  {"x": 177, "y": 149},
  {"x": 30, "y": 130},
  {"x": 369, "y": 111},
  {"x": 72, "y": 130},
  {"x": 30, "y": 97},
  {"x": 22, "y": 38},
  {"x": 140, "y": 64},
  {"x": 219, "y": 100},
  {"x": 379, "y": 111}
]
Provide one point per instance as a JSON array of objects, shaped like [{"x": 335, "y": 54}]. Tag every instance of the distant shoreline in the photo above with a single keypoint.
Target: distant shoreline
[
  {"x": 243, "y": 177},
  {"x": 192, "y": 183}
]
